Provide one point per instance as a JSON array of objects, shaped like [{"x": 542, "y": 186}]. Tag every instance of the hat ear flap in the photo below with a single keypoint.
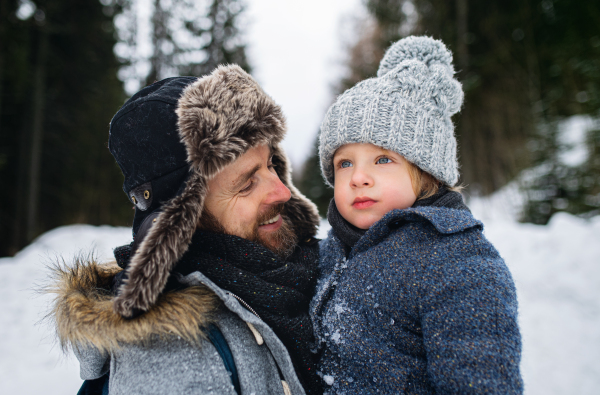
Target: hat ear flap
[{"x": 167, "y": 241}]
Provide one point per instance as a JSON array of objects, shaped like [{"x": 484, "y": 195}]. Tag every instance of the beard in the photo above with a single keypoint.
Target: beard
[{"x": 282, "y": 241}]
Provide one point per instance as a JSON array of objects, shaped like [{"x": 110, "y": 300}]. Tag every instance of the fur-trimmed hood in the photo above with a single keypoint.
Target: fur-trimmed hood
[
  {"x": 84, "y": 316},
  {"x": 220, "y": 117}
]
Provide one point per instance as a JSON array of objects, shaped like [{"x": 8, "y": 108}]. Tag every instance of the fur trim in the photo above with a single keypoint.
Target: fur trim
[
  {"x": 224, "y": 114},
  {"x": 164, "y": 245},
  {"x": 220, "y": 117},
  {"x": 84, "y": 316}
]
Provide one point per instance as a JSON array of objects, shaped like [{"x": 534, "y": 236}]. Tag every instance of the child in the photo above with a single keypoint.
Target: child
[{"x": 412, "y": 298}]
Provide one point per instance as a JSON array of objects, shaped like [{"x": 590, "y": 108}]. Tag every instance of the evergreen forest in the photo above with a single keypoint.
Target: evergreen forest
[{"x": 66, "y": 66}]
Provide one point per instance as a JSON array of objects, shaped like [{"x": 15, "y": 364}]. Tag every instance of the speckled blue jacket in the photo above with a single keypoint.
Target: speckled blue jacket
[{"x": 424, "y": 304}]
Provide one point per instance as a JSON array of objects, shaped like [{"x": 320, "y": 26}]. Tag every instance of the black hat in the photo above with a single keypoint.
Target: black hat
[{"x": 147, "y": 147}]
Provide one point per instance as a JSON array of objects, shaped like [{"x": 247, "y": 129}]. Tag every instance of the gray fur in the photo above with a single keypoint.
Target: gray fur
[{"x": 221, "y": 116}]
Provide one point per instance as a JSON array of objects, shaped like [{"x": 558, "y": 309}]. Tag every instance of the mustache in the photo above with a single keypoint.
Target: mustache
[{"x": 270, "y": 213}]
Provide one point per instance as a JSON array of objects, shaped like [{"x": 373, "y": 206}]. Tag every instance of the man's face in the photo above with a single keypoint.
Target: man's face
[{"x": 246, "y": 199}]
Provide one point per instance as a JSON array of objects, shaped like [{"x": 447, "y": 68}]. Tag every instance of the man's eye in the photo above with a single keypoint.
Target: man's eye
[
  {"x": 383, "y": 161},
  {"x": 248, "y": 187},
  {"x": 345, "y": 163}
]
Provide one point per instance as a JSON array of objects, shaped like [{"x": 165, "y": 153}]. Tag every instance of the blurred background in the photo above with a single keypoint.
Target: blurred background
[
  {"x": 530, "y": 70},
  {"x": 528, "y": 137}
]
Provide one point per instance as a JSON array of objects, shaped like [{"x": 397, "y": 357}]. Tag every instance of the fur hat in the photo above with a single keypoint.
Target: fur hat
[
  {"x": 219, "y": 117},
  {"x": 406, "y": 109}
]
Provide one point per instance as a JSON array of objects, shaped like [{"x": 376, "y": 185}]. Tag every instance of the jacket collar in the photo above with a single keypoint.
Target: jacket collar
[{"x": 444, "y": 220}]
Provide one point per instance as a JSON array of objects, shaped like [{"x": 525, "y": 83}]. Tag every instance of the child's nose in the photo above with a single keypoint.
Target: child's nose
[{"x": 360, "y": 178}]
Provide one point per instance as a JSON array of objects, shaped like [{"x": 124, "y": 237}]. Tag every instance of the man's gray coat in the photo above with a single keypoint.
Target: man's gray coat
[{"x": 165, "y": 351}]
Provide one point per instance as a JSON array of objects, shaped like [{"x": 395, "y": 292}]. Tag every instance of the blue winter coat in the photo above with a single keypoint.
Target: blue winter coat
[{"x": 424, "y": 304}]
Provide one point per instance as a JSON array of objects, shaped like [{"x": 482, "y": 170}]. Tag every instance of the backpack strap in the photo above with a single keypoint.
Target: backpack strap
[
  {"x": 218, "y": 340},
  {"x": 99, "y": 386}
]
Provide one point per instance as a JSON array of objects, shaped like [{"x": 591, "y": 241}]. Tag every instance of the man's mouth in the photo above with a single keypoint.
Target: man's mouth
[
  {"x": 363, "y": 202},
  {"x": 270, "y": 221}
]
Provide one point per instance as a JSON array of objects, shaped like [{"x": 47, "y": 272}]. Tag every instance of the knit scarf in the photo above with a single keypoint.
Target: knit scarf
[
  {"x": 350, "y": 234},
  {"x": 278, "y": 290}
]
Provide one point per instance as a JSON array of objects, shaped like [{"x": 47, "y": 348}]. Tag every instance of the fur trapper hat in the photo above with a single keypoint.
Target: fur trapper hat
[
  {"x": 219, "y": 117},
  {"x": 407, "y": 108}
]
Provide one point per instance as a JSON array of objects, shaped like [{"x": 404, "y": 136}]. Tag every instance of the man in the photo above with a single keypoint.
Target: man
[{"x": 212, "y": 295}]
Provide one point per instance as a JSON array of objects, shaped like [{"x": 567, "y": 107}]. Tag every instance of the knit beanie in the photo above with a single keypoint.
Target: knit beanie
[{"x": 407, "y": 108}]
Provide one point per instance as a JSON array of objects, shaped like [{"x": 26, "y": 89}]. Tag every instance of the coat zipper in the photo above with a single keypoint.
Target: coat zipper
[
  {"x": 259, "y": 340},
  {"x": 245, "y": 304}
]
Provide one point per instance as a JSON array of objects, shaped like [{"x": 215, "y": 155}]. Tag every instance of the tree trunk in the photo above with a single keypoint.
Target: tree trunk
[
  {"x": 462, "y": 30},
  {"x": 158, "y": 37},
  {"x": 39, "y": 101},
  {"x": 3, "y": 28}
]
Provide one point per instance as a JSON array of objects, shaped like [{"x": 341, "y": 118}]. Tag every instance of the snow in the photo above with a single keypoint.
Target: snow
[
  {"x": 30, "y": 360},
  {"x": 572, "y": 134},
  {"x": 329, "y": 379},
  {"x": 556, "y": 269},
  {"x": 336, "y": 336}
]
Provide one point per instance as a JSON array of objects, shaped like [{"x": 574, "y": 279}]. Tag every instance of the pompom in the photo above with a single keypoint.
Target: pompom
[{"x": 424, "y": 49}]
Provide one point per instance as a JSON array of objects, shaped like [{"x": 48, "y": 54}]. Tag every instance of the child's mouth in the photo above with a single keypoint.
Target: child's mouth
[{"x": 362, "y": 203}]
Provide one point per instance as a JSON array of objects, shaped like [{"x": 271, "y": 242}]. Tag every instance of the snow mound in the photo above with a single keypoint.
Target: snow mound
[{"x": 30, "y": 360}]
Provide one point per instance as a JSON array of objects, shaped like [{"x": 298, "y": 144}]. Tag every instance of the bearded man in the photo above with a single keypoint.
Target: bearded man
[{"x": 212, "y": 295}]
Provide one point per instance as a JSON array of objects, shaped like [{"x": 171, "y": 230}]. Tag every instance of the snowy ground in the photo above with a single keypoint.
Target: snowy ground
[{"x": 556, "y": 269}]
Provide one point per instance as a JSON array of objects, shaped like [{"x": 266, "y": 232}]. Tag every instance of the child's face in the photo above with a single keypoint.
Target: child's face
[{"x": 369, "y": 182}]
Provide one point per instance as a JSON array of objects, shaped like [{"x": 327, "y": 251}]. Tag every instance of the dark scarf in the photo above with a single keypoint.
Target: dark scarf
[
  {"x": 350, "y": 234},
  {"x": 278, "y": 290}
]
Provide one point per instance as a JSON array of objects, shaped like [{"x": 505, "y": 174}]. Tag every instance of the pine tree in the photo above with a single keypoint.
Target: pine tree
[
  {"x": 553, "y": 186},
  {"x": 58, "y": 94},
  {"x": 225, "y": 45},
  {"x": 187, "y": 37}
]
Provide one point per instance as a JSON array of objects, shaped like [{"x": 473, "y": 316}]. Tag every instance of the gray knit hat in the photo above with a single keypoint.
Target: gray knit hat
[{"x": 406, "y": 109}]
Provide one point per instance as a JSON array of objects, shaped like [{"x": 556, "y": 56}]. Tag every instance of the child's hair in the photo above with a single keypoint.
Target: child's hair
[{"x": 424, "y": 184}]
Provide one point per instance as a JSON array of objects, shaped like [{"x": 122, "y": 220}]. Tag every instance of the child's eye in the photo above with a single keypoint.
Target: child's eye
[
  {"x": 382, "y": 161},
  {"x": 345, "y": 163}
]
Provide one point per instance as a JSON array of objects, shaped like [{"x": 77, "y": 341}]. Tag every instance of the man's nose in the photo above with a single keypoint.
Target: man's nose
[
  {"x": 278, "y": 192},
  {"x": 360, "y": 178}
]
